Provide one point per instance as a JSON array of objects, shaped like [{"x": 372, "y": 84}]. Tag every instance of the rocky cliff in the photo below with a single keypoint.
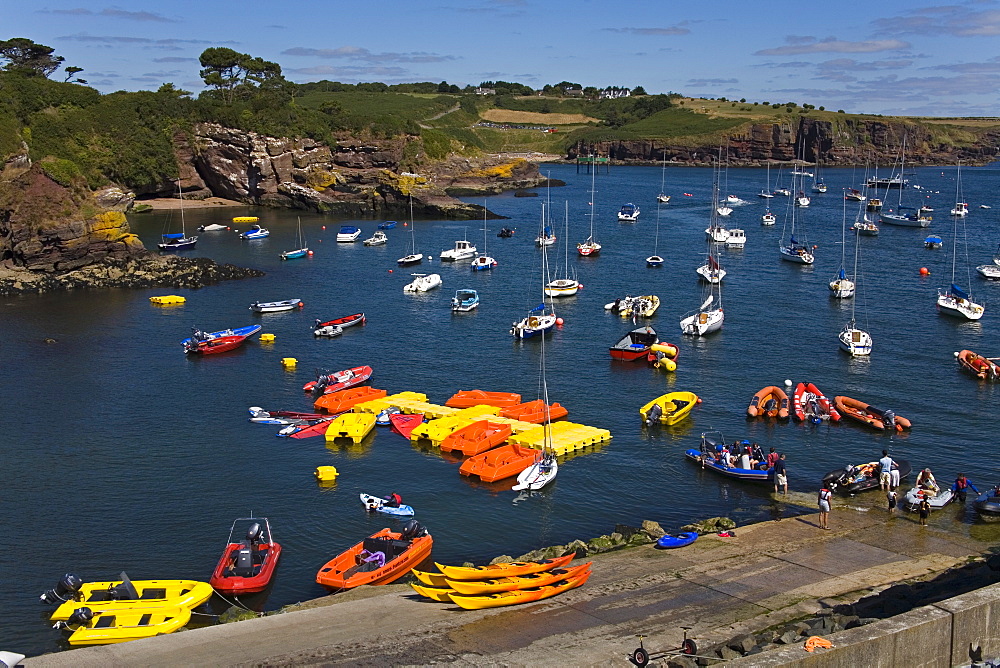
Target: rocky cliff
[
  {"x": 353, "y": 178},
  {"x": 846, "y": 142}
]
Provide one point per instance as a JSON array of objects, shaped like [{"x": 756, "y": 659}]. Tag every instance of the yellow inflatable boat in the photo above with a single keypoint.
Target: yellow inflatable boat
[
  {"x": 125, "y": 594},
  {"x": 113, "y": 626}
]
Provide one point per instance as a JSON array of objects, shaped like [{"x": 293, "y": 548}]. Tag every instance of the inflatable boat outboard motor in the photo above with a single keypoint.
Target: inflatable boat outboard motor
[
  {"x": 80, "y": 617},
  {"x": 413, "y": 529},
  {"x": 243, "y": 565},
  {"x": 64, "y": 590}
]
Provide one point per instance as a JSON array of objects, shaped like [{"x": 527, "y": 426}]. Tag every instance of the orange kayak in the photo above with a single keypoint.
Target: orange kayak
[
  {"x": 481, "y": 587},
  {"x": 508, "y": 570},
  {"x": 470, "y": 398},
  {"x": 499, "y": 463},
  {"x": 867, "y": 414},
  {"x": 345, "y": 400},
  {"x": 520, "y": 596},
  {"x": 534, "y": 412},
  {"x": 771, "y": 402},
  {"x": 478, "y": 437},
  {"x": 433, "y": 593},
  {"x": 362, "y": 564}
]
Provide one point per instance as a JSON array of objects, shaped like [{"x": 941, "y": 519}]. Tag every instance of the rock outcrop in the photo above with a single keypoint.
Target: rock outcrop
[
  {"x": 846, "y": 142},
  {"x": 353, "y": 178}
]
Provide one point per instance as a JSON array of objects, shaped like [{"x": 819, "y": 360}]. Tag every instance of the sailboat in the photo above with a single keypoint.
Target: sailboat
[
  {"x": 564, "y": 287},
  {"x": 818, "y": 185},
  {"x": 591, "y": 247},
  {"x": 546, "y": 237},
  {"x": 918, "y": 218},
  {"x": 178, "y": 241},
  {"x": 484, "y": 262},
  {"x": 842, "y": 287},
  {"x": 711, "y": 271},
  {"x": 723, "y": 208},
  {"x": 655, "y": 260},
  {"x": 709, "y": 316},
  {"x": 302, "y": 250},
  {"x": 961, "y": 207},
  {"x": 955, "y": 301},
  {"x": 537, "y": 321},
  {"x": 766, "y": 192},
  {"x": 414, "y": 257},
  {"x": 856, "y": 341},
  {"x": 663, "y": 198},
  {"x": 794, "y": 251},
  {"x": 715, "y": 231},
  {"x": 545, "y": 468}
]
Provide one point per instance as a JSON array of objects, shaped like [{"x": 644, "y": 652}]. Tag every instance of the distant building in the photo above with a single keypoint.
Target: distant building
[
  {"x": 573, "y": 92},
  {"x": 614, "y": 92},
  {"x": 486, "y": 91}
]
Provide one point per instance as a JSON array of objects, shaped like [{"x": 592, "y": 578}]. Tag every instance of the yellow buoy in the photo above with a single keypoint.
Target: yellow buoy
[
  {"x": 267, "y": 338},
  {"x": 326, "y": 473},
  {"x": 289, "y": 362},
  {"x": 667, "y": 364},
  {"x": 168, "y": 299},
  {"x": 245, "y": 219}
]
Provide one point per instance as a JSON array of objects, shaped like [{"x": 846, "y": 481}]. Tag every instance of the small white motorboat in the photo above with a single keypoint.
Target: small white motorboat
[
  {"x": 348, "y": 234},
  {"x": 629, "y": 213},
  {"x": 377, "y": 239},
  {"x": 768, "y": 218},
  {"x": 463, "y": 250},
  {"x": 328, "y": 331},
  {"x": 423, "y": 283},
  {"x": 465, "y": 300},
  {"x": 737, "y": 238},
  {"x": 274, "y": 307},
  {"x": 936, "y": 499},
  {"x": 255, "y": 232},
  {"x": 214, "y": 227}
]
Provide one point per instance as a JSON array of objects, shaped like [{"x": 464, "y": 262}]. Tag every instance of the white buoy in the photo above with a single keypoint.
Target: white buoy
[
  {"x": 788, "y": 383},
  {"x": 430, "y": 257},
  {"x": 955, "y": 353}
]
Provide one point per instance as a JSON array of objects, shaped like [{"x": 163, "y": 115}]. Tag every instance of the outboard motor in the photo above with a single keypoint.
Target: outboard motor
[
  {"x": 80, "y": 617},
  {"x": 66, "y": 589},
  {"x": 654, "y": 415},
  {"x": 413, "y": 529},
  {"x": 254, "y": 533},
  {"x": 889, "y": 419}
]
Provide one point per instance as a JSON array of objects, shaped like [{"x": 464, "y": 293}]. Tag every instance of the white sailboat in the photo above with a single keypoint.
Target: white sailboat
[
  {"x": 715, "y": 231},
  {"x": 302, "y": 250},
  {"x": 538, "y": 321},
  {"x": 173, "y": 241},
  {"x": 414, "y": 257},
  {"x": 766, "y": 192},
  {"x": 842, "y": 287},
  {"x": 955, "y": 301},
  {"x": 484, "y": 262},
  {"x": 663, "y": 198},
  {"x": 794, "y": 250},
  {"x": 961, "y": 206},
  {"x": 590, "y": 246},
  {"x": 711, "y": 271},
  {"x": 545, "y": 467},
  {"x": 854, "y": 340},
  {"x": 655, "y": 260},
  {"x": 709, "y": 316},
  {"x": 564, "y": 287},
  {"x": 919, "y": 217}
]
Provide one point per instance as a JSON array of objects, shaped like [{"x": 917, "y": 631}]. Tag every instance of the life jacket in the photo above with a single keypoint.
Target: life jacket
[
  {"x": 396, "y": 499},
  {"x": 824, "y": 494},
  {"x": 961, "y": 483}
]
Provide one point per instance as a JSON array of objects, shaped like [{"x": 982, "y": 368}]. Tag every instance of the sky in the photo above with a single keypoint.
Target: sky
[{"x": 901, "y": 57}]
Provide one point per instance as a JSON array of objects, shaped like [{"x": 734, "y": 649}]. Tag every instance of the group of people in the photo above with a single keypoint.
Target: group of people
[{"x": 748, "y": 455}]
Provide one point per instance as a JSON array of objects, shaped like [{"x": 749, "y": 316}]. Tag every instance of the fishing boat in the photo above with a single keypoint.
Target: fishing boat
[
  {"x": 212, "y": 343},
  {"x": 736, "y": 238},
  {"x": 178, "y": 241},
  {"x": 476, "y": 438},
  {"x": 567, "y": 286},
  {"x": 511, "y": 569},
  {"x": 711, "y": 271},
  {"x": 465, "y": 300},
  {"x": 874, "y": 204},
  {"x": 247, "y": 566},
  {"x": 518, "y": 596},
  {"x": 276, "y": 307},
  {"x": 768, "y": 218},
  {"x": 387, "y": 225},
  {"x": 105, "y": 627},
  {"x": 770, "y": 401},
  {"x": 470, "y": 398},
  {"x": 505, "y": 461},
  {"x": 808, "y": 403},
  {"x": 629, "y": 213},
  {"x": 302, "y": 249},
  {"x": 463, "y": 250},
  {"x": 868, "y": 415},
  {"x": 544, "y": 468},
  {"x": 535, "y": 411},
  {"x": 538, "y": 321},
  {"x": 855, "y": 478},
  {"x": 383, "y": 557},
  {"x": 710, "y": 454},
  {"x": 348, "y": 234},
  {"x": 933, "y": 242},
  {"x": 72, "y": 593},
  {"x": 669, "y": 408},
  {"x": 842, "y": 287},
  {"x": 379, "y": 238},
  {"x": 327, "y": 382},
  {"x": 375, "y": 504},
  {"x": 634, "y": 345},
  {"x": 423, "y": 283},
  {"x": 255, "y": 232},
  {"x": 591, "y": 246},
  {"x": 414, "y": 257},
  {"x": 984, "y": 368},
  {"x": 894, "y": 181},
  {"x": 955, "y": 301}
]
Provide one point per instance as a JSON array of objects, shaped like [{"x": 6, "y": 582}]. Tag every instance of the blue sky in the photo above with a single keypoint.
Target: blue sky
[{"x": 890, "y": 57}]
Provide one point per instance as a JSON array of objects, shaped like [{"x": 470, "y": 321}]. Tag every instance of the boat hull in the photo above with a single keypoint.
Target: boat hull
[
  {"x": 823, "y": 408},
  {"x": 761, "y": 403},
  {"x": 152, "y": 593},
  {"x": 265, "y": 560},
  {"x": 634, "y": 346},
  {"x": 344, "y": 571},
  {"x": 673, "y": 407}
]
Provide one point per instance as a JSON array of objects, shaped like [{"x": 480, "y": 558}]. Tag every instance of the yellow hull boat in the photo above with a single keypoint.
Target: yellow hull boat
[
  {"x": 483, "y": 587},
  {"x": 354, "y": 426},
  {"x": 515, "y": 597},
  {"x": 434, "y": 593},
  {"x": 146, "y": 594},
  {"x": 502, "y": 570},
  {"x": 106, "y": 627},
  {"x": 669, "y": 408},
  {"x": 431, "y": 579}
]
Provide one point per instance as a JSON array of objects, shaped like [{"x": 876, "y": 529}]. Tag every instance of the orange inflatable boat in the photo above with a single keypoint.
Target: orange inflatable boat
[
  {"x": 769, "y": 402},
  {"x": 499, "y": 463},
  {"x": 534, "y": 412},
  {"x": 978, "y": 366},
  {"x": 478, "y": 437},
  {"x": 470, "y": 398},
  {"x": 809, "y": 403},
  {"x": 345, "y": 400},
  {"x": 868, "y": 414},
  {"x": 379, "y": 559}
]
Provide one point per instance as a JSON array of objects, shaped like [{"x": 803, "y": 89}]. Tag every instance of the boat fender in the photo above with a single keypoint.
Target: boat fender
[{"x": 65, "y": 589}]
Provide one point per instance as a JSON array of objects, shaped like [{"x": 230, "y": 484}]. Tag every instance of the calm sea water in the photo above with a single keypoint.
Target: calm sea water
[{"x": 123, "y": 454}]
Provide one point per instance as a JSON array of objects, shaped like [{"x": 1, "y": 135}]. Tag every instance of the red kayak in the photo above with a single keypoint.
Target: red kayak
[
  {"x": 338, "y": 380},
  {"x": 404, "y": 424},
  {"x": 247, "y": 566},
  {"x": 343, "y": 323}
]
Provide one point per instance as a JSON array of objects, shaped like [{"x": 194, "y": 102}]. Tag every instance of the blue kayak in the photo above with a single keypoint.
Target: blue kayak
[{"x": 680, "y": 540}]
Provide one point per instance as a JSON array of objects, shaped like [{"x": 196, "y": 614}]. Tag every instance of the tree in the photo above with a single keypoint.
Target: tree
[
  {"x": 638, "y": 90},
  {"x": 27, "y": 57},
  {"x": 231, "y": 72},
  {"x": 71, "y": 73}
]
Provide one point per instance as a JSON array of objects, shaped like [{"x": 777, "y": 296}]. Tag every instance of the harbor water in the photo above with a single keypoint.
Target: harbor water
[{"x": 123, "y": 454}]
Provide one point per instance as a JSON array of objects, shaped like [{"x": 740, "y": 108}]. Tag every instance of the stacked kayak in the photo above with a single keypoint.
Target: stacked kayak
[{"x": 500, "y": 585}]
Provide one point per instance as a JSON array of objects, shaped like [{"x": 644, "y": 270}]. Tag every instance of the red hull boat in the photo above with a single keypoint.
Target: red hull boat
[
  {"x": 222, "y": 341},
  {"x": 247, "y": 567},
  {"x": 345, "y": 322},
  {"x": 338, "y": 380},
  {"x": 634, "y": 345},
  {"x": 808, "y": 401}
]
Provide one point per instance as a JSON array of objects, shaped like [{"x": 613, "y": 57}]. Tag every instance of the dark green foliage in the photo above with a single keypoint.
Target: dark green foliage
[
  {"x": 541, "y": 104},
  {"x": 234, "y": 74},
  {"x": 508, "y": 88},
  {"x": 639, "y": 90},
  {"x": 669, "y": 123},
  {"x": 437, "y": 144},
  {"x": 28, "y": 58}
]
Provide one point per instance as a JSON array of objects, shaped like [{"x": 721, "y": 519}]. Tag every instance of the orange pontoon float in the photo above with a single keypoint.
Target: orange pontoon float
[
  {"x": 534, "y": 412},
  {"x": 470, "y": 398},
  {"x": 499, "y": 463},
  {"x": 345, "y": 400},
  {"x": 476, "y": 438}
]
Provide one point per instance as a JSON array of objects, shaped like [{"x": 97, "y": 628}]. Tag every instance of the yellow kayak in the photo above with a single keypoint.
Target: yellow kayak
[
  {"x": 669, "y": 408},
  {"x": 434, "y": 593},
  {"x": 481, "y": 587},
  {"x": 109, "y": 626},
  {"x": 503, "y": 570},
  {"x": 515, "y": 597},
  {"x": 431, "y": 579},
  {"x": 145, "y": 594}
]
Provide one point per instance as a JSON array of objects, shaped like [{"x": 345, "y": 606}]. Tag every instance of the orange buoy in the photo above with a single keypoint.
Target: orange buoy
[
  {"x": 580, "y": 286},
  {"x": 390, "y": 271},
  {"x": 310, "y": 253},
  {"x": 324, "y": 227},
  {"x": 924, "y": 271},
  {"x": 559, "y": 321}
]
